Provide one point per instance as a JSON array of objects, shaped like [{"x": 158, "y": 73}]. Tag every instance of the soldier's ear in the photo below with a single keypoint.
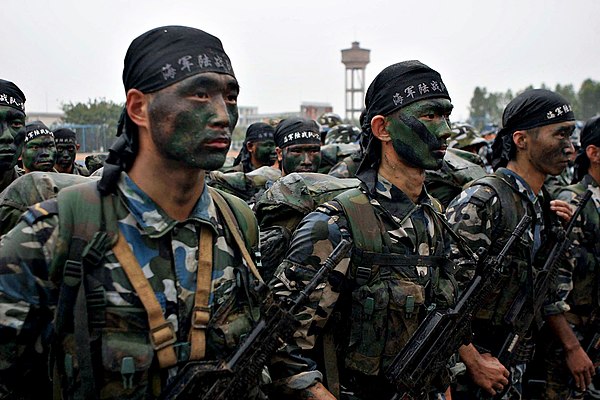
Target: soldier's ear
[
  {"x": 279, "y": 154},
  {"x": 593, "y": 153},
  {"x": 520, "y": 139},
  {"x": 378, "y": 126},
  {"x": 137, "y": 107}
]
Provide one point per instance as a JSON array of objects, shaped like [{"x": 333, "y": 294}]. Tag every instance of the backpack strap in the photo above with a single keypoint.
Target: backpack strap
[
  {"x": 365, "y": 227},
  {"x": 237, "y": 214}
]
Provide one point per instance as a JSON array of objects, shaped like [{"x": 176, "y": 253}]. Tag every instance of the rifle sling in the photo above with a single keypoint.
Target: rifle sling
[{"x": 201, "y": 312}]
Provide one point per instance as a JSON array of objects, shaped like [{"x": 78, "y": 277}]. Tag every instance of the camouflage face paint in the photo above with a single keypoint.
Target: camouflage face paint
[
  {"x": 191, "y": 121},
  {"x": 422, "y": 144},
  {"x": 66, "y": 157},
  {"x": 301, "y": 158},
  {"x": 550, "y": 147},
  {"x": 264, "y": 153},
  {"x": 39, "y": 154},
  {"x": 12, "y": 134}
]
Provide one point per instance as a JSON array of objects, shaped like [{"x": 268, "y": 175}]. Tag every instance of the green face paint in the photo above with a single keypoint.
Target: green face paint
[
  {"x": 65, "y": 157},
  {"x": 264, "y": 153},
  {"x": 39, "y": 154},
  {"x": 12, "y": 134},
  {"x": 191, "y": 121},
  {"x": 301, "y": 158},
  {"x": 419, "y": 132}
]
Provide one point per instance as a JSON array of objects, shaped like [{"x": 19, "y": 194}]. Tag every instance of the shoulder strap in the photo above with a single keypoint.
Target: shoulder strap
[
  {"x": 364, "y": 225},
  {"x": 233, "y": 219}
]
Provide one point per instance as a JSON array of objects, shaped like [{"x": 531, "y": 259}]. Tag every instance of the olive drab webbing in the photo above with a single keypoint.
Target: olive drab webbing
[
  {"x": 83, "y": 243},
  {"x": 391, "y": 289}
]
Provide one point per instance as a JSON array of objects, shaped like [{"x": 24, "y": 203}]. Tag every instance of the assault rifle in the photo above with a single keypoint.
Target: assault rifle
[
  {"x": 231, "y": 379},
  {"x": 420, "y": 363},
  {"x": 520, "y": 317}
]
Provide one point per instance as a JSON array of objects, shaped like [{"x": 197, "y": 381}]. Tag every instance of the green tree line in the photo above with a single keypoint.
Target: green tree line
[{"x": 487, "y": 107}]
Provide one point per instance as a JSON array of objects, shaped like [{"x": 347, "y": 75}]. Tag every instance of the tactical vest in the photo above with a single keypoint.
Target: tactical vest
[
  {"x": 586, "y": 289},
  {"x": 392, "y": 292},
  {"x": 86, "y": 353},
  {"x": 518, "y": 271}
]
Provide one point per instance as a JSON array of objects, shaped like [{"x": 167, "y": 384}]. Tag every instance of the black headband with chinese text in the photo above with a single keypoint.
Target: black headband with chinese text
[
  {"x": 35, "y": 129},
  {"x": 297, "y": 130},
  {"x": 11, "y": 95}
]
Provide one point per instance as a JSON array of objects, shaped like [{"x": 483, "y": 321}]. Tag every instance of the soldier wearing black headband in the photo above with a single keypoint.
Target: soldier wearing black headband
[
  {"x": 39, "y": 150},
  {"x": 66, "y": 148},
  {"x": 298, "y": 144},
  {"x": 533, "y": 143},
  {"x": 394, "y": 226},
  {"x": 257, "y": 150},
  {"x": 12, "y": 131},
  {"x": 155, "y": 269}
]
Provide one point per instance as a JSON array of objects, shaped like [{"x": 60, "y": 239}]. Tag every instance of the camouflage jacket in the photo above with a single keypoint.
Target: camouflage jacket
[
  {"x": 348, "y": 166},
  {"x": 584, "y": 296},
  {"x": 485, "y": 219},
  {"x": 331, "y": 154},
  {"x": 369, "y": 321},
  {"x": 31, "y": 271},
  {"x": 247, "y": 186},
  {"x": 80, "y": 170},
  {"x": 459, "y": 168},
  {"x": 30, "y": 189}
]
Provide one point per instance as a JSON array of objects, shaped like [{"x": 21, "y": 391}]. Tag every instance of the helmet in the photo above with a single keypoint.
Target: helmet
[
  {"x": 329, "y": 119},
  {"x": 342, "y": 133}
]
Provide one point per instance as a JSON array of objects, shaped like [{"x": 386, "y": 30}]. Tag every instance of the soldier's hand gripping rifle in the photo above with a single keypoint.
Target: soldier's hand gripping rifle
[
  {"x": 421, "y": 362},
  {"x": 233, "y": 378},
  {"x": 520, "y": 317}
]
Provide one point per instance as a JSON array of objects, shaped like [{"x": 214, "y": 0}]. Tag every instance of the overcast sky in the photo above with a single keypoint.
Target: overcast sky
[{"x": 286, "y": 52}]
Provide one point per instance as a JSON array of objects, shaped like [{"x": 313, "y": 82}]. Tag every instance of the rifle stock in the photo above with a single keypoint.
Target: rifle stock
[
  {"x": 439, "y": 336},
  {"x": 232, "y": 379}
]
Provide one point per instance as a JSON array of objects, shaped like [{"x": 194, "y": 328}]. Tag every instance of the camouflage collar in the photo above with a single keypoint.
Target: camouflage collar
[
  {"x": 151, "y": 218},
  {"x": 519, "y": 184}
]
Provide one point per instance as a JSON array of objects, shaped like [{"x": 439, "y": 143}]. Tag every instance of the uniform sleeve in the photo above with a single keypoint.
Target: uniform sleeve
[
  {"x": 313, "y": 241},
  {"x": 27, "y": 298},
  {"x": 472, "y": 219}
]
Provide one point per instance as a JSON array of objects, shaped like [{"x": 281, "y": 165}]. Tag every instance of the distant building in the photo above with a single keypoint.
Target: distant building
[
  {"x": 51, "y": 120},
  {"x": 314, "y": 109}
]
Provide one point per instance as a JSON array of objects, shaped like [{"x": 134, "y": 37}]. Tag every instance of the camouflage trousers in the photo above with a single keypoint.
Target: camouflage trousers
[{"x": 465, "y": 389}]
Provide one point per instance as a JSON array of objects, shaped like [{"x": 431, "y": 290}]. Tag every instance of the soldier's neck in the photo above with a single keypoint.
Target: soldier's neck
[
  {"x": 534, "y": 178},
  {"x": 405, "y": 177},
  {"x": 176, "y": 190}
]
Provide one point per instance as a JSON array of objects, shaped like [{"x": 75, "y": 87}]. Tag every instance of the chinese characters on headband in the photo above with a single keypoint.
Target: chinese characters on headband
[
  {"x": 11, "y": 101},
  {"x": 189, "y": 63},
  {"x": 558, "y": 111},
  {"x": 301, "y": 135},
  {"x": 413, "y": 92}
]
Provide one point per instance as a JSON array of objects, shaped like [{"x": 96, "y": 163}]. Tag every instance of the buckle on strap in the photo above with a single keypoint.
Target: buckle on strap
[
  {"x": 162, "y": 336},
  {"x": 363, "y": 274},
  {"x": 201, "y": 316}
]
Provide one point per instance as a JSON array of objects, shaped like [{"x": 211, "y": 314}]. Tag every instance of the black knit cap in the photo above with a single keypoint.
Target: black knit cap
[
  {"x": 531, "y": 109},
  {"x": 11, "y": 95},
  {"x": 297, "y": 130}
]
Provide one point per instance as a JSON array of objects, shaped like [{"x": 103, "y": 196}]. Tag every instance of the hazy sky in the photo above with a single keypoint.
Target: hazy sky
[{"x": 286, "y": 52}]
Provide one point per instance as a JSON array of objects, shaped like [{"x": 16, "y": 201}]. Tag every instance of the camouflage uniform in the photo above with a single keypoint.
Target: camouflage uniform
[
  {"x": 583, "y": 299},
  {"x": 369, "y": 311},
  {"x": 31, "y": 261},
  {"x": 459, "y": 168},
  {"x": 247, "y": 186},
  {"x": 28, "y": 190},
  {"x": 80, "y": 170},
  {"x": 348, "y": 166},
  {"x": 281, "y": 208},
  {"x": 485, "y": 215},
  {"x": 331, "y": 154}
]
